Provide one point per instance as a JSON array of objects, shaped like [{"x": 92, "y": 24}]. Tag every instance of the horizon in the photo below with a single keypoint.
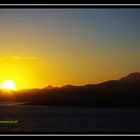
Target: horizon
[
  {"x": 67, "y": 46},
  {"x": 52, "y": 86}
]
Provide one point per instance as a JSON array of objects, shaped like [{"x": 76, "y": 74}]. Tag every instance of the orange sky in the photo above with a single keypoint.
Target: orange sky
[{"x": 59, "y": 47}]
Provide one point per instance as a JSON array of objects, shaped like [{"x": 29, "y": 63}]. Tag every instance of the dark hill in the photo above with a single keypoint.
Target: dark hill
[
  {"x": 133, "y": 77},
  {"x": 124, "y": 92}
]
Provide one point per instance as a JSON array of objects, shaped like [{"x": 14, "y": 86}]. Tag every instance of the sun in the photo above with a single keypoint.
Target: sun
[{"x": 8, "y": 85}]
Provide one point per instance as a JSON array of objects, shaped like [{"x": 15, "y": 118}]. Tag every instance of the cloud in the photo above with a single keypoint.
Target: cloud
[{"x": 18, "y": 58}]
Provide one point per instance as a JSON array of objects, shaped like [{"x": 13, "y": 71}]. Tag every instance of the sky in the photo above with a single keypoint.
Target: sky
[{"x": 40, "y": 47}]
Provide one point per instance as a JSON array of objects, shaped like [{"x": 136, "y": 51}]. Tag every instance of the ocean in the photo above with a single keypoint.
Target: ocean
[{"x": 52, "y": 119}]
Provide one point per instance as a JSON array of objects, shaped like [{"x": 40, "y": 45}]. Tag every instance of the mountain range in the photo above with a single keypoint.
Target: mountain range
[
  {"x": 132, "y": 79},
  {"x": 124, "y": 92}
]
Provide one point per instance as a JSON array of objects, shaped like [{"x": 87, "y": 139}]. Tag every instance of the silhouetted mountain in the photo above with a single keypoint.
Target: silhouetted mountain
[
  {"x": 133, "y": 77},
  {"x": 68, "y": 87},
  {"x": 49, "y": 87},
  {"x": 124, "y": 92},
  {"x": 111, "y": 83}
]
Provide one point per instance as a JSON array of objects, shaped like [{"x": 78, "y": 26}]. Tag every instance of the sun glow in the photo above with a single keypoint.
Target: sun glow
[{"x": 8, "y": 85}]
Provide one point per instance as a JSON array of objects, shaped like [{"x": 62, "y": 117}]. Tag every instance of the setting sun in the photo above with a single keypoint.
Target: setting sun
[{"x": 8, "y": 85}]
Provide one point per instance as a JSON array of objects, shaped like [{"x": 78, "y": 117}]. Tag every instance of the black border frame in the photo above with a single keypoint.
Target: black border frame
[{"x": 69, "y": 6}]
